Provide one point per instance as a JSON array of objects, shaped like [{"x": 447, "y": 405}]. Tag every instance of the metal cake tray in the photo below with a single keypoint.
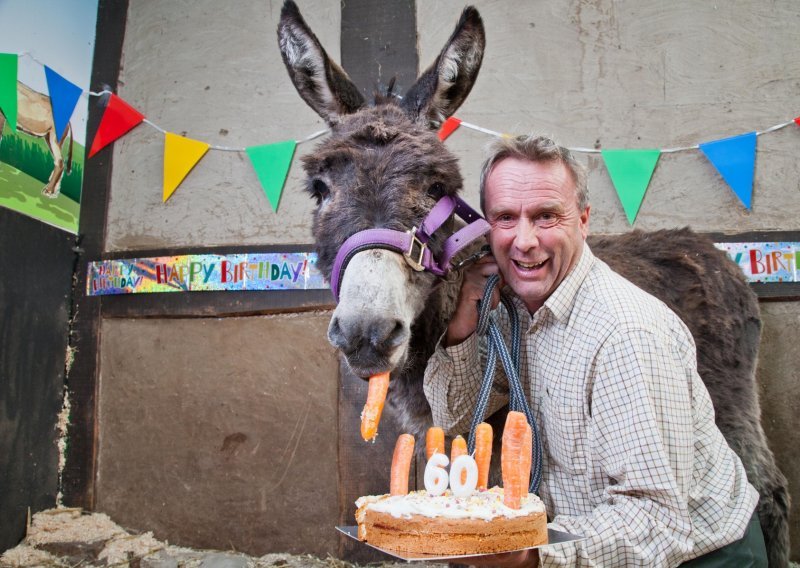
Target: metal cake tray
[{"x": 554, "y": 538}]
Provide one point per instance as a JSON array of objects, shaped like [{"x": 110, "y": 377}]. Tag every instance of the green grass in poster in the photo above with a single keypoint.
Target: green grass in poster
[
  {"x": 22, "y": 193},
  {"x": 31, "y": 155}
]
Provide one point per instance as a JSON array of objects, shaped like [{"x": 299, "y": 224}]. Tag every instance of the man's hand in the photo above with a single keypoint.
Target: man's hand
[{"x": 465, "y": 319}]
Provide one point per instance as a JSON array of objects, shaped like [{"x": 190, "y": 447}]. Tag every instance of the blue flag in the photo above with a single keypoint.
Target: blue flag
[
  {"x": 735, "y": 160},
  {"x": 63, "y": 98}
]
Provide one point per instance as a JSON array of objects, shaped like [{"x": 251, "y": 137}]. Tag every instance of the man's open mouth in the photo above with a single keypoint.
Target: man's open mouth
[{"x": 527, "y": 266}]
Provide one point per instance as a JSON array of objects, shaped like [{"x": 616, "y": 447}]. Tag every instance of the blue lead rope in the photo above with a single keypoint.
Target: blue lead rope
[{"x": 497, "y": 346}]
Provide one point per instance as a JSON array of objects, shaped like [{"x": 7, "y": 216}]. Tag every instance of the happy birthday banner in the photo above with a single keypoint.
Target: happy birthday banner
[
  {"x": 204, "y": 273},
  {"x": 630, "y": 169},
  {"x": 765, "y": 262},
  {"x": 760, "y": 262}
]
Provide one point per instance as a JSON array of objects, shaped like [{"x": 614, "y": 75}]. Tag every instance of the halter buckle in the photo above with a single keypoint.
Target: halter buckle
[{"x": 415, "y": 260}]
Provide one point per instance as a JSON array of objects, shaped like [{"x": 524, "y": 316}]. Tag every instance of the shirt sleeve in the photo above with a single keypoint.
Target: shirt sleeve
[
  {"x": 452, "y": 383},
  {"x": 640, "y": 436}
]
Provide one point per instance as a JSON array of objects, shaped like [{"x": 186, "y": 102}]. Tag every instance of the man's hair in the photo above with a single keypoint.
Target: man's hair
[{"x": 535, "y": 149}]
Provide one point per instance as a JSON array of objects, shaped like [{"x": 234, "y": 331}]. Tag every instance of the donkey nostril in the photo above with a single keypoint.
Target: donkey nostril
[
  {"x": 335, "y": 335},
  {"x": 397, "y": 335},
  {"x": 384, "y": 334}
]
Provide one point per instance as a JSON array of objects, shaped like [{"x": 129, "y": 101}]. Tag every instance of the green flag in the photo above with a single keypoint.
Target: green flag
[
  {"x": 8, "y": 87},
  {"x": 271, "y": 162},
  {"x": 630, "y": 171}
]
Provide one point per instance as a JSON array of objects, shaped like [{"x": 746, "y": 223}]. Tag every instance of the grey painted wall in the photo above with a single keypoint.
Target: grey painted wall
[
  {"x": 645, "y": 74},
  {"x": 221, "y": 432},
  {"x": 213, "y": 74},
  {"x": 616, "y": 75}
]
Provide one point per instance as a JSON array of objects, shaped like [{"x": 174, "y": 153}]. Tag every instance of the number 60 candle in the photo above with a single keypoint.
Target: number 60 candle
[{"x": 436, "y": 478}]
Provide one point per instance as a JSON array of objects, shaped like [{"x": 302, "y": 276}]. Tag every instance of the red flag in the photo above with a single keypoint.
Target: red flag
[
  {"x": 118, "y": 119},
  {"x": 797, "y": 120},
  {"x": 450, "y": 125}
]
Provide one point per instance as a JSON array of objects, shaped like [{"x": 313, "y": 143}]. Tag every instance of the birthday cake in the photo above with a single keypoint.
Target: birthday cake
[
  {"x": 467, "y": 518},
  {"x": 449, "y": 525}
]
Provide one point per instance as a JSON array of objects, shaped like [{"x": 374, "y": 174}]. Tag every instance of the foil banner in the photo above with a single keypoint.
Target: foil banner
[
  {"x": 765, "y": 262},
  {"x": 760, "y": 262},
  {"x": 205, "y": 272}
]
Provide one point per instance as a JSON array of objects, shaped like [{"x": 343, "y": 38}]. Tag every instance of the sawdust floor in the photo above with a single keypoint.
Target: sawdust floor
[{"x": 74, "y": 538}]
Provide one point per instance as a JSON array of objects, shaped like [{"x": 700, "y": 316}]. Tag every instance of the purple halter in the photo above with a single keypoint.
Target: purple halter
[{"x": 413, "y": 244}]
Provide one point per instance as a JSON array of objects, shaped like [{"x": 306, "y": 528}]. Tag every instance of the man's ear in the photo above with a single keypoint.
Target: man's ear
[
  {"x": 584, "y": 220},
  {"x": 439, "y": 92},
  {"x": 322, "y": 83}
]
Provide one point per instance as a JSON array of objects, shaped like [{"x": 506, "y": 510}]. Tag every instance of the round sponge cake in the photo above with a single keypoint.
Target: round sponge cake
[{"x": 450, "y": 525}]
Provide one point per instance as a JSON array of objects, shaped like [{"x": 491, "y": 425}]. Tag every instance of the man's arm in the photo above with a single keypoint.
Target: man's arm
[{"x": 455, "y": 370}]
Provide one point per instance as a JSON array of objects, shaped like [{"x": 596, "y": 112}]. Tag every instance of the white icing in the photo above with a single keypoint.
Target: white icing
[{"x": 485, "y": 505}]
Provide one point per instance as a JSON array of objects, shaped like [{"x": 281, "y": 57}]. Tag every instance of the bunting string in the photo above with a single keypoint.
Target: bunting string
[
  {"x": 308, "y": 138},
  {"x": 583, "y": 150},
  {"x": 630, "y": 170}
]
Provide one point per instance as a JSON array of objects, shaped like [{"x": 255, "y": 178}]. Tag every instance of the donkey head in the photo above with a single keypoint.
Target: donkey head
[{"x": 381, "y": 167}]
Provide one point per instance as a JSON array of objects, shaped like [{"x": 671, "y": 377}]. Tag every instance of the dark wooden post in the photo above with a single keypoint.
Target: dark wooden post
[{"x": 378, "y": 43}]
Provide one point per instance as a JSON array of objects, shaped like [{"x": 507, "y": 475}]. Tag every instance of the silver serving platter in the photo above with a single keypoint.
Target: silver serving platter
[{"x": 554, "y": 537}]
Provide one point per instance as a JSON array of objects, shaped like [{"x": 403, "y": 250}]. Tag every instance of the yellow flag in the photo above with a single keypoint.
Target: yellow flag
[{"x": 180, "y": 156}]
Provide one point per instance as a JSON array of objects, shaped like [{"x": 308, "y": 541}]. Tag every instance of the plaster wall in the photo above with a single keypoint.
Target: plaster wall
[
  {"x": 213, "y": 74},
  {"x": 779, "y": 389},
  {"x": 649, "y": 74},
  {"x": 592, "y": 74},
  {"x": 221, "y": 432}
]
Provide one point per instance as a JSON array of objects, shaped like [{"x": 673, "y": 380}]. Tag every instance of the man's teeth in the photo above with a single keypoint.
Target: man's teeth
[{"x": 528, "y": 266}]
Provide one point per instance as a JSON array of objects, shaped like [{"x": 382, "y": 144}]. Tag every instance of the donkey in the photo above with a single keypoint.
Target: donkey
[
  {"x": 383, "y": 166},
  {"x": 35, "y": 117}
]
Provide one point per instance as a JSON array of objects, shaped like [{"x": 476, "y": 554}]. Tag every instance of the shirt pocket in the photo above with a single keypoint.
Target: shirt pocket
[{"x": 565, "y": 431}]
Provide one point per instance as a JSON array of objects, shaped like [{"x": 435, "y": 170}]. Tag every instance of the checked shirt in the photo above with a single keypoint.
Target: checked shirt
[{"x": 632, "y": 458}]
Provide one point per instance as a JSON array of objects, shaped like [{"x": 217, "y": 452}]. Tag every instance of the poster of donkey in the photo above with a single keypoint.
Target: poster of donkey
[{"x": 49, "y": 47}]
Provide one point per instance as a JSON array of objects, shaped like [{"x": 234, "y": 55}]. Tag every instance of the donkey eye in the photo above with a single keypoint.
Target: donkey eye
[
  {"x": 436, "y": 190},
  {"x": 320, "y": 190}
]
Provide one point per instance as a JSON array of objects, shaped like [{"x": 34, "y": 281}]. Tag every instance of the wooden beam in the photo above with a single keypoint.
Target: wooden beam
[
  {"x": 77, "y": 480},
  {"x": 378, "y": 43}
]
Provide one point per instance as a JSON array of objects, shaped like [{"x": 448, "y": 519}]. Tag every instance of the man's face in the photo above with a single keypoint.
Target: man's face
[{"x": 537, "y": 229}]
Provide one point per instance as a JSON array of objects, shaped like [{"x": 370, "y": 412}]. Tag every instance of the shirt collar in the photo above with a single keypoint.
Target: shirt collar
[{"x": 562, "y": 300}]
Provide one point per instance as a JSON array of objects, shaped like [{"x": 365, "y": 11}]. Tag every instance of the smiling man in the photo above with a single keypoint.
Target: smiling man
[{"x": 632, "y": 458}]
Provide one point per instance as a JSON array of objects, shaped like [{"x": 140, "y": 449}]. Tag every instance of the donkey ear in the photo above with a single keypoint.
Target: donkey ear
[
  {"x": 439, "y": 92},
  {"x": 322, "y": 83}
]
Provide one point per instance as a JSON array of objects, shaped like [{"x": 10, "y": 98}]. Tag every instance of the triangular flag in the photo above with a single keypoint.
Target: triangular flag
[
  {"x": 271, "y": 162},
  {"x": 630, "y": 171},
  {"x": 735, "y": 160},
  {"x": 118, "y": 119},
  {"x": 63, "y": 98},
  {"x": 797, "y": 121},
  {"x": 450, "y": 125},
  {"x": 8, "y": 87},
  {"x": 180, "y": 156}
]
